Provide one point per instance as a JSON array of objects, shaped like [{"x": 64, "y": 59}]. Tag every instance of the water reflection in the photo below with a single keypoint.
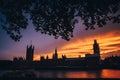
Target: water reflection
[
  {"x": 109, "y": 73},
  {"x": 105, "y": 73}
]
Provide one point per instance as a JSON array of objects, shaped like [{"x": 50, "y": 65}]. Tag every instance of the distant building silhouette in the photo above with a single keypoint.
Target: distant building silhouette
[
  {"x": 55, "y": 55},
  {"x": 29, "y": 53},
  {"x": 42, "y": 58},
  {"x": 90, "y": 61},
  {"x": 112, "y": 62},
  {"x": 18, "y": 59},
  {"x": 93, "y": 59},
  {"x": 64, "y": 57},
  {"x": 47, "y": 57},
  {"x": 15, "y": 59},
  {"x": 96, "y": 48}
]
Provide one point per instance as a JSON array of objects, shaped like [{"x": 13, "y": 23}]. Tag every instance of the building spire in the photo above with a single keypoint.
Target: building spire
[
  {"x": 55, "y": 50},
  {"x": 95, "y": 41},
  {"x": 55, "y": 55},
  {"x": 96, "y": 48},
  {"x": 29, "y": 52}
]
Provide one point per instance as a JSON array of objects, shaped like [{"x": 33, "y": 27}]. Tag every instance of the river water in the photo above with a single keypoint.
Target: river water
[{"x": 104, "y": 73}]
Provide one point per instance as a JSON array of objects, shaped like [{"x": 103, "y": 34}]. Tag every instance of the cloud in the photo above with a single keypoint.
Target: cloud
[
  {"x": 104, "y": 49},
  {"x": 68, "y": 49},
  {"x": 114, "y": 45}
]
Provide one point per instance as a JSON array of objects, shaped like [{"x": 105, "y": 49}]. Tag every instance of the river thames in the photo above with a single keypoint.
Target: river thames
[{"x": 104, "y": 73}]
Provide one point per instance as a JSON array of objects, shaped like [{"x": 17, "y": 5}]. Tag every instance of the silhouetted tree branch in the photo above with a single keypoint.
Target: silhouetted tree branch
[{"x": 56, "y": 17}]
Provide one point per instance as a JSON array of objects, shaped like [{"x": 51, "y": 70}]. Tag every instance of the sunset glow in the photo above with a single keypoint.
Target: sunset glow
[
  {"x": 108, "y": 38},
  {"x": 108, "y": 43}
]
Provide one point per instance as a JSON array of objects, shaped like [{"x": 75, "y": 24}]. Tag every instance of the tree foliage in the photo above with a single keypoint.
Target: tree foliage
[{"x": 56, "y": 17}]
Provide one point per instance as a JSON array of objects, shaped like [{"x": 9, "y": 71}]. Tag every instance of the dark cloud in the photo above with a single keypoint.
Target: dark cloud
[
  {"x": 67, "y": 49},
  {"x": 114, "y": 45},
  {"x": 78, "y": 52},
  {"x": 82, "y": 52},
  {"x": 105, "y": 49}
]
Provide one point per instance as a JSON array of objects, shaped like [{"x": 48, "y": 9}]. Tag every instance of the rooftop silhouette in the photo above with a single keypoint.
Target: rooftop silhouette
[{"x": 90, "y": 61}]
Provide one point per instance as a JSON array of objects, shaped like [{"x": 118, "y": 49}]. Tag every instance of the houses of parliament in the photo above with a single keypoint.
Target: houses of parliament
[
  {"x": 88, "y": 60},
  {"x": 30, "y": 53}
]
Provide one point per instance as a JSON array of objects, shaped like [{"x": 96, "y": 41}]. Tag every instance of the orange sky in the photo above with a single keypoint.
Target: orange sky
[{"x": 109, "y": 42}]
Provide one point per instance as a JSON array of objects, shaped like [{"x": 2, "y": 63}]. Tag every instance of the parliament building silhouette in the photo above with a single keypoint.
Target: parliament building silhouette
[{"x": 88, "y": 60}]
